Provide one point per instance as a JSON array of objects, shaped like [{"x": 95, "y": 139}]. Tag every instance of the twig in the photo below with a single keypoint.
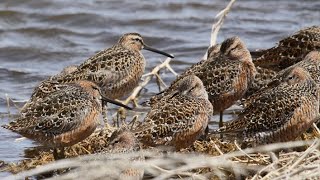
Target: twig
[
  {"x": 216, "y": 26},
  {"x": 160, "y": 82},
  {"x": 8, "y": 103},
  {"x": 148, "y": 77},
  {"x": 246, "y": 154},
  {"x": 218, "y": 149},
  {"x": 310, "y": 149},
  {"x": 315, "y": 127}
]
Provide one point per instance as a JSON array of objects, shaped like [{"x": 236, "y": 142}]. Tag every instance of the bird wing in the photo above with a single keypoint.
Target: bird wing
[
  {"x": 220, "y": 76},
  {"x": 177, "y": 115},
  {"x": 266, "y": 111},
  {"x": 272, "y": 109},
  {"x": 105, "y": 65},
  {"x": 61, "y": 111}
]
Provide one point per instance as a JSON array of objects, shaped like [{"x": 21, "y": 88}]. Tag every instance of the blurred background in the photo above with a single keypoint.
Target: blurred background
[{"x": 39, "y": 38}]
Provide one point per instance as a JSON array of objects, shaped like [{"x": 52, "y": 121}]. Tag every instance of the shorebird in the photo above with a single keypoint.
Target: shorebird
[
  {"x": 179, "y": 117},
  {"x": 289, "y": 50},
  {"x": 280, "y": 113},
  {"x": 226, "y": 74},
  {"x": 123, "y": 141},
  {"x": 211, "y": 52},
  {"x": 63, "y": 117},
  {"x": 116, "y": 70},
  {"x": 310, "y": 63}
]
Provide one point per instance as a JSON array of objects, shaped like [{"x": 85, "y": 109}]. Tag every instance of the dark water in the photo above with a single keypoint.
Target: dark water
[{"x": 39, "y": 38}]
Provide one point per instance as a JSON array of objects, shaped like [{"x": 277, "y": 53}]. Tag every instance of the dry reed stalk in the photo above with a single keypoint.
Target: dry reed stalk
[
  {"x": 147, "y": 78},
  {"x": 170, "y": 165},
  {"x": 216, "y": 26}
]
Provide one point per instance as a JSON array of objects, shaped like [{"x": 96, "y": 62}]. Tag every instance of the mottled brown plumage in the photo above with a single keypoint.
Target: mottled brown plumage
[
  {"x": 124, "y": 141},
  {"x": 310, "y": 63},
  {"x": 289, "y": 50},
  {"x": 226, "y": 74},
  {"x": 262, "y": 77},
  {"x": 117, "y": 70},
  {"x": 179, "y": 117},
  {"x": 62, "y": 118},
  {"x": 281, "y": 113},
  {"x": 65, "y": 71}
]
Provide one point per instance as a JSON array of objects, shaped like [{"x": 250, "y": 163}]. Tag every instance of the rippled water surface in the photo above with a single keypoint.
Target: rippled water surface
[{"x": 39, "y": 38}]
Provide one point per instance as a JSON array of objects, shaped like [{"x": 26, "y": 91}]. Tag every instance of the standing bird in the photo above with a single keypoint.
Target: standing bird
[
  {"x": 64, "y": 117},
  {"x": 179, "y": 118},
  {"x": 116, "y": 70},
  {"x": 226, "y": 74},
  {"x": 278, "y": 114},
  {"x": 289, "y": 50}
]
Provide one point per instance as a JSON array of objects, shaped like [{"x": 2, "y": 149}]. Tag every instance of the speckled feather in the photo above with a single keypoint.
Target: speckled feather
[
  {"x": 290, "y": 50},
  {"x": 311, "y": 63},
  {"x": 123, "y": 141},
  {"x": 179, "y": 118},
  {"x": 280, "y": 113},
  {"x": 61, "y": 113},
  {"x": 226, "y": 74},
  {"x": 261, "y": 79},
  {"x": 117, "y": 70}
]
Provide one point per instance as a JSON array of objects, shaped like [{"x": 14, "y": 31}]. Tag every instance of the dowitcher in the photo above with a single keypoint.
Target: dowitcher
[
  {"x": 310, "y": 63},
  {"x": 226, "y": 74},
  {"x": 279, "y": 114},
  {"x": 179, "y": 117},
  {"x": 63, "y": 117},
  {"x": 124, "y": 141},
  {"x": 117, "y": 70},
  {"x": 289, "y": 50},
  {"x": 211, "y": 52}
]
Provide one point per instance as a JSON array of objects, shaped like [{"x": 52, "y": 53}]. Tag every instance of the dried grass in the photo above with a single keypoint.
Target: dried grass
[
  {"x": 205, "y": 159},
  {"x": 210, "y": 158}
]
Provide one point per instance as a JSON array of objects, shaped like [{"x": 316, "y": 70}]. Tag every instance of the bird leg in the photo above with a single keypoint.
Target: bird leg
[
  {"x": 121, "y": 115},
  {"x": 221, "y": 119},
  {"x": 221, "y": 122},
  {"x": 58, "y": 155},
  {"x": 205, "y": 133},
  {"x": 104, "y": 115}
]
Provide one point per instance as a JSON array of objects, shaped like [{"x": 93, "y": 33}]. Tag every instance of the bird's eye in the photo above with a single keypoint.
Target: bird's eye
[
  {"x": 95, "y": 87},
  {"x": 290, "y": 77},
  {"x": 234, "y": 48},
  {"x": 137, "y": 39},
  {"x": 192, "y": 89}
]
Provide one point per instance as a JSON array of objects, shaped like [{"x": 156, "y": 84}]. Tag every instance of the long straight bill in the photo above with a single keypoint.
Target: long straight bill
[
  {"x": 157, "y": 51},
  {"x": 105, "y": 99}
]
